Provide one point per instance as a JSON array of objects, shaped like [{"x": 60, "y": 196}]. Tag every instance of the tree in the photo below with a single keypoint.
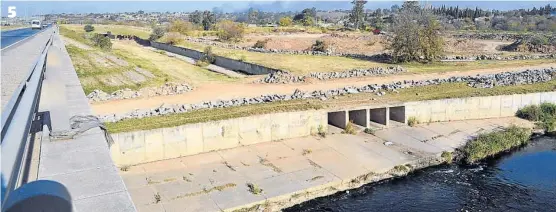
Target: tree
[
  {"x": 308, "y": 21},
  {"x": 252, "y": 15},
  {"x": 196, "y": 17},
  {"x": 357, "y": 13},
  {"x": 230, "y": 31},
  {"x": 89, "y": 28},
  {"x": 285, "y": 21},
  {"x": 157, "y": 33},
  {"x": 416, "y": 35},
  {"x": 208, "y": 20}
]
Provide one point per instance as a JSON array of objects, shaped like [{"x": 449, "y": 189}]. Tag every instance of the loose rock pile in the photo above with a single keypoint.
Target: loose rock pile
[
  {"x": 167, "y": 89},
  {"x": 479, "y": 81},
  {"x": 495, "y": 36},
  {"x": 286, "y": 77},
  {"x": 500, "y": 57}
]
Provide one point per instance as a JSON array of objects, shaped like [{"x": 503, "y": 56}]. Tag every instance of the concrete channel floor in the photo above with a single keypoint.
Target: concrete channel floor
[
  {"x": 83, "y": 164},
  {"x": 217, "y": 180}
]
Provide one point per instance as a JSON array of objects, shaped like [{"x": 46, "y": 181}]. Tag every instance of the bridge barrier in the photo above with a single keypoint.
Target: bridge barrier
[{"x": 17, "y": 121}]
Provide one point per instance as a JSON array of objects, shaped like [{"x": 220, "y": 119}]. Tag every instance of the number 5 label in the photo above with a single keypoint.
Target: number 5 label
[{"x": 11, "y": 12}]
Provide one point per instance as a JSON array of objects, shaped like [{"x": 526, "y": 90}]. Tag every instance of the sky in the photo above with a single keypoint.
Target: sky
[{"x": 31, "y": 8}]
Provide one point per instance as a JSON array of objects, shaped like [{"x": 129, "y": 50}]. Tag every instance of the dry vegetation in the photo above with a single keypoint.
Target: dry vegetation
[{"x": 141, "y": 32}]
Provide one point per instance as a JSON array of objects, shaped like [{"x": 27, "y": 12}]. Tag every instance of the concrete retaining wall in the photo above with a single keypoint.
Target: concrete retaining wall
[
  {"x": 474, "y": 107},
  {"x": 231, "y": 64},
  {"x": 159, "y": 144}
]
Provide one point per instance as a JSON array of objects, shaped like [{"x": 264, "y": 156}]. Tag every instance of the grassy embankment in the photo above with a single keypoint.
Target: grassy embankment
[
  {"x": 304, "y": 64},
  {"x": 454, "y": 90},
  {"x": 543, "y": 115},
  {"x": 109, "y": 70},
  {"x": 141, "y": 32}
]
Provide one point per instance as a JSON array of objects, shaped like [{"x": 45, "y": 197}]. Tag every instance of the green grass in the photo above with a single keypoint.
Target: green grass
[
  {"x": 209, "y": 115},
  {"x": 452, "y": 90},
  {"x": 447, "y": 156},
  {"x": 78, "y": 36},
  {"x": 141, "y": 32},
  {"x": 491, "y": 144},
  {"x": 412, "y": 121},
  {"x": 543, "y": 115}
]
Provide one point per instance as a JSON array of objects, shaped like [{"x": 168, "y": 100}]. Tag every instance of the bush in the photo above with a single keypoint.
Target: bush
[
  {"x": 285, "y": 21},
  {"x": 350, "y": 128},
  {"x": 489, "y": 144},
  {"x": 544, "y": 115},
  {"x": 261, "y": 44},
  {"x": 157, "y": 33},
  {"x": 254, "y": 188},
  {"x": 319, "y": 46},
  {"x": 412, "y": 121},
  {"x": 208, "y": 56},
  {"x": 182, "y": 27},
  {"x": 369, "y": 131},
  {"x": 89, "y": 28},
  {"x": 102, "y": 41},
  {"x": 447, "y": 156},
  {"x": 230, "y": 31},
  {"x": 321, "y": 131},
  {"x": 173, "y": 38},
  {"x": 538, "y": 40}
]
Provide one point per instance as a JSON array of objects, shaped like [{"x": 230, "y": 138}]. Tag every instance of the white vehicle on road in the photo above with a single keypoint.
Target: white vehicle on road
[{"x": 36, "y": 24}]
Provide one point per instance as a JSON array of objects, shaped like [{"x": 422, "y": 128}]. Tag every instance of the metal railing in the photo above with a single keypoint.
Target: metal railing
[{"x": 17, "y": 118}]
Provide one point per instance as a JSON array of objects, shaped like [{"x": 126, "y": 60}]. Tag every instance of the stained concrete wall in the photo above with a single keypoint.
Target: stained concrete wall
[
  {"x": 231, "y": 64},
  {"x": 474, "y": 107},
  {"x": 379, "y": 115},
  {"x": 338, "y": 118},
  {"x": 159, "y": 144},
  {"x": 359, "y": 117}
]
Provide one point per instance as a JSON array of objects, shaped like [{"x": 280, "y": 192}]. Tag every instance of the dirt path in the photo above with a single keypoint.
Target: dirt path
[{"x": 224, "y": 91}]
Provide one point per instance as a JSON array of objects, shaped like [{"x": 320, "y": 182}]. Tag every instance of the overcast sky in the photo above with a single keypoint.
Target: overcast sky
[{"x": 41, "y": 7}]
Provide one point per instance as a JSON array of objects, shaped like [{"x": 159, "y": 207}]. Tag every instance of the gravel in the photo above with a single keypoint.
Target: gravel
[
  {"x": 479, "y": 81},
  {"x": 286, "y": 77}
]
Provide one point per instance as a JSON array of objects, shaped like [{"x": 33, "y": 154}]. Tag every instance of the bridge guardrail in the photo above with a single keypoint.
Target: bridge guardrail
[{"x": 17, "y": 119}]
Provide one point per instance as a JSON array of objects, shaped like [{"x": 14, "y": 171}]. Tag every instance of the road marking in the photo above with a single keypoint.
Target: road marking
[{"x": 23, "y": 39}]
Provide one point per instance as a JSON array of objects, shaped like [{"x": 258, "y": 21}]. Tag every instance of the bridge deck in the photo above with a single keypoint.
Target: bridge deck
[{"x": 83, "y": 164}]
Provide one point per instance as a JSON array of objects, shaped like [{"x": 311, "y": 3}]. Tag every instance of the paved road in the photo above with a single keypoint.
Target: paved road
[
  {"x": 12, "y": 36},
  {"x": 18, "y": 60}
]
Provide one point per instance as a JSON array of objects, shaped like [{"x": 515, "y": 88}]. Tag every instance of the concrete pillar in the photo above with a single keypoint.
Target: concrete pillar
[
  {"x": 360, "y": 117},
  {"x": 380, "y": 115},
  {"x": 398, "y": 114},
  {"x": 338, "y": 119}
]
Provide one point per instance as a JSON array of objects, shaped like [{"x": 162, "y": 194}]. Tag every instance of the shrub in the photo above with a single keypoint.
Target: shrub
[
  {"x": 261, "y": 44},
  {"x": 181, "y": 26},
  {"x": 230, "y": 31},
  {"x": 538, "y": 40},
  {"x": 369, "y": 131},
  {"x": 172, "y": 38},
  {"x": 208, "y": 56},
  {"x": 254, "y": 188},
  {"x": 285, "y": 21},
  {"x": 350, "y": 128},
  {"x": 544, "y": 115},
  {"x": 412, "y": 121},
  {"x": 102, "y": 41},
  {"x": 89, "y": 28},
  {"x": 319, "y": 46},
  {"x": 447, "y": 156},
  {"x": 157, "y": 33},
  {"x": 201, "y": 63},
  {"x": 489, "y": 144},
  {"x": 321, "y": 131}
]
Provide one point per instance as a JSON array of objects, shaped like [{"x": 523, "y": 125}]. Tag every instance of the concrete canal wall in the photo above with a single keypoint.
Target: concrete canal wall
[
  {"x": 160, "y": 144},
  {"x": 165, "y": 143}
]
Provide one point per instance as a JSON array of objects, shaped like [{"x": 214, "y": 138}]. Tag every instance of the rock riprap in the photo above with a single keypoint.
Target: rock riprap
[
  {"x": 166, "y": 89},
  {"x": 286, "y": 77},
  {"x": 479, "y": 81}
]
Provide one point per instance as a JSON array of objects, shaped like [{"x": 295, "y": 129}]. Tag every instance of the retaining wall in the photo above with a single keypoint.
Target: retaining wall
[
  {"x": 159, "y": 144},
  {"x": 235, "y": 65},
  {"x": 474, "y": 107}
]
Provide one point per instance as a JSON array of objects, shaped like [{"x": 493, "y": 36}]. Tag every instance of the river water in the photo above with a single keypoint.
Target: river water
[{"x": 524, "y": 180}]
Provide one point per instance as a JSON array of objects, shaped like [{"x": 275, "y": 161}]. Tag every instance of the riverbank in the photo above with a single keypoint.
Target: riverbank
[
  {"x": 521, "y": 180},
  {"x": 277, "y": 175}
]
